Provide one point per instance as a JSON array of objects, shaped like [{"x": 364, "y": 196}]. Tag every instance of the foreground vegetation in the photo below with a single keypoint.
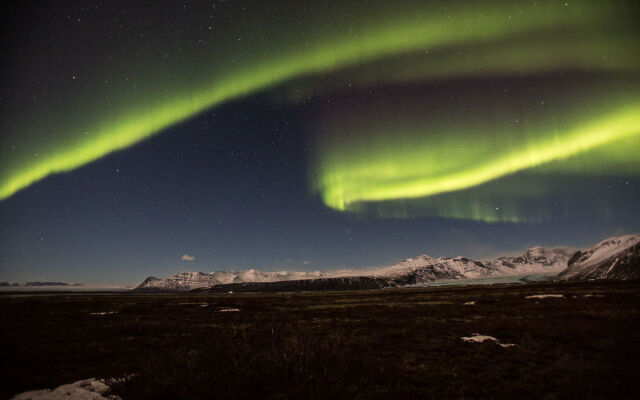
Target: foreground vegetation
[{"x": 397, "y": 343}]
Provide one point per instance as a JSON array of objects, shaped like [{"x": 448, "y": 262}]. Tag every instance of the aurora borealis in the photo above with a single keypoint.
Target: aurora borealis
[
  {"x": 407, "y": 29},
  {"x": 410, "y": 112},
  {"x": 438, "y": 143}
]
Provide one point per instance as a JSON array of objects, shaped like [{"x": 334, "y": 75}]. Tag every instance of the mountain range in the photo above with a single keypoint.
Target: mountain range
[
  {"x": 614, "y": 258},
  {"x": 421, "y": 269}
]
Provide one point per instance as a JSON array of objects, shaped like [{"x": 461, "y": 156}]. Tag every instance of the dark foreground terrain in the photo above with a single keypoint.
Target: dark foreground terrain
[{"x": 396, "y": 343}]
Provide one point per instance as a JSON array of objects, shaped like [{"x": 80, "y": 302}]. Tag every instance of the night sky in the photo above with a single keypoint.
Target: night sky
[{"x": 311, "y": 135}]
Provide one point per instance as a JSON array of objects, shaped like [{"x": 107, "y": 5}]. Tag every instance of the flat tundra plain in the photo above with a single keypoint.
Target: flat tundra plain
[{"x": 541, "y": 340}]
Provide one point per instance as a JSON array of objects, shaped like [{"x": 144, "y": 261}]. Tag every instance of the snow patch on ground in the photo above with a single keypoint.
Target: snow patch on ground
[
  {"x": 229, "y": 309},
  {"x": 545, "y": 296},
  {"x": 478, "y": 338},
  {"x": 88, "y": 389}
]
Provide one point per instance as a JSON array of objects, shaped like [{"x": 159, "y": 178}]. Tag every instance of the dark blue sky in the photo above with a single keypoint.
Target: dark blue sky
[{"x": 229, "y": 188}]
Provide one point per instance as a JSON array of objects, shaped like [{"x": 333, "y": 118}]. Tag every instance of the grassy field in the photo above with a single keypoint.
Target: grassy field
[{"x": 397, "y": 343}]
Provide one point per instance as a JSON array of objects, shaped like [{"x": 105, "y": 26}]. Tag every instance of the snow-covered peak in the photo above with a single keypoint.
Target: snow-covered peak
[
  {"x": 194, "y": 280},
  {"x": 606, "y": 248},
  {"x": 614, "y": 258},
  {"x": 534, "y": 260},
  {"x": 416, "y": 261},
  {"x": 402, "y": 267}
]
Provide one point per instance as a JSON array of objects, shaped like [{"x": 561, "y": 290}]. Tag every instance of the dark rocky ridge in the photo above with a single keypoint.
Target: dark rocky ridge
[
  {"x": 36, "y": 283},
  {"x": 320, "y": 284}
]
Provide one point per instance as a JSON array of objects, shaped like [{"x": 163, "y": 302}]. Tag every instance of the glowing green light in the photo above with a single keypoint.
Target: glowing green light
[
  {"x": 403, "y": 158},
  {"x": 398, "y": 181},
  {"x": 407, "y": 30}
]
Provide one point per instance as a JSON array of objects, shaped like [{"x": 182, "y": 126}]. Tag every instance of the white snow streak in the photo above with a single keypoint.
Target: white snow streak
[
  {"x": 88, "y": 389},
  {"x": 545, "y": 296},
  {"x": 478, "y": 338}
]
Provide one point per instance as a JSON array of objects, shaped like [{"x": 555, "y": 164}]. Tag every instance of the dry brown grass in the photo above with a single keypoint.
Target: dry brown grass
[{"x": 401, "y": 343}]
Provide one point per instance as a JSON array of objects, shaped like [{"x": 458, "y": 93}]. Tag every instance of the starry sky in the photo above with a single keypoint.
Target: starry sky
[{"x": 149, "y": 138}]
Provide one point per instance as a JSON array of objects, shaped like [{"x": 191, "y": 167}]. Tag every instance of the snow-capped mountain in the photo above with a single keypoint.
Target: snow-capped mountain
[
  {"x": 534, "y": 261},
  {"x": 614, "y": 258},
  {"x": 410, "y": 271},
  {"x": 424, "y": 269},
  {"x": 195, "y": 280}
]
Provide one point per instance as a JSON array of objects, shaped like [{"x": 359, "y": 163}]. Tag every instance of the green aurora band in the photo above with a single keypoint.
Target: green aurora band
[
  {"x": 436, "y": 155},
  {"x": 51, "y": 139},
  {"x": 403, "y": 178}
]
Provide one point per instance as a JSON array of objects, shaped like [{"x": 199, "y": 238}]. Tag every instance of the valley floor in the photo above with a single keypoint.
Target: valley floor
[{"x": 570, "y": 340}]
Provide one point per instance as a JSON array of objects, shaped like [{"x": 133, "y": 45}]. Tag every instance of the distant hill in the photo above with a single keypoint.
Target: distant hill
[{"x": 46, "y": 284}]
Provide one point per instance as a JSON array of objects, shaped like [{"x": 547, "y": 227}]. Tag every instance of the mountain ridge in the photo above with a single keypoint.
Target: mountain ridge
[
  {"x": 416, "y": 270},
  {"x": 613, "y": 258},
  {"x": 617, "y": 257}
]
